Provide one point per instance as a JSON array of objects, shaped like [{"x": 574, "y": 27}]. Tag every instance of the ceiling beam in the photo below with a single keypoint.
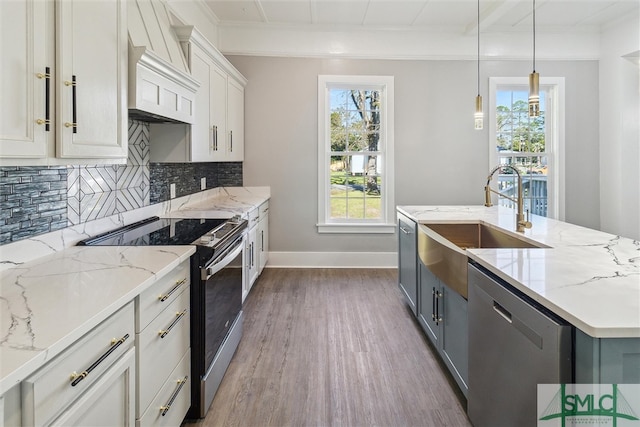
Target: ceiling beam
[
  {"x": 490, "y": 15},
  {"x": 261, "y": 11}
]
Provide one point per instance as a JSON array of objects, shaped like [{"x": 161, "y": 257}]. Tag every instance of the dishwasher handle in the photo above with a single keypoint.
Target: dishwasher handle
[{"x": 506, "y": 315}]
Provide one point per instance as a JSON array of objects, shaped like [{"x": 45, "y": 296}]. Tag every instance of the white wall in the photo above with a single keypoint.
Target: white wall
[
  {"x": 619, "y": 130},
  {"x": 440, "y": 158}
]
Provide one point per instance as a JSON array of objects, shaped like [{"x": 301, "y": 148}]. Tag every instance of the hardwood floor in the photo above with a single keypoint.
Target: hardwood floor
[{"x": 324, "y": 347}]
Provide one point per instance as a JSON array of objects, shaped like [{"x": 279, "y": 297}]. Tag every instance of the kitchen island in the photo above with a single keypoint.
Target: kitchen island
[
  {"x": 588, "y": 277},
  {"x": 507, "y": 311}
]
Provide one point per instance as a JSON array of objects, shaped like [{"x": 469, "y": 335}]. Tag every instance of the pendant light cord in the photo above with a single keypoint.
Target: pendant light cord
[
  {"x": 478, "y": 47},
  {"x": 534, "y": 36}
]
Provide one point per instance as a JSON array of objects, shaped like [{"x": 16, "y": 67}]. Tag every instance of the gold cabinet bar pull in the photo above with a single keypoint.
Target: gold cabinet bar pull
[
  {"x": 76, "y": 378},
  {"x": 47, "y": 90},
  {"x": 74, "y": 111},
  {"x": 164, "y": 297},
  {"x": 179, "y": 315},
  {"x": 173, "y": 397}
]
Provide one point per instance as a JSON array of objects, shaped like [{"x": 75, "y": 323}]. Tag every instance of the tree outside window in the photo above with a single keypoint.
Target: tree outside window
[{"x": 355, "y": 154}]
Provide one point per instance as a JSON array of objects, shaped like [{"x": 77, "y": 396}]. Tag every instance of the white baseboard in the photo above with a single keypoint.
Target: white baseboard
[{"x": 333, "y": 260}]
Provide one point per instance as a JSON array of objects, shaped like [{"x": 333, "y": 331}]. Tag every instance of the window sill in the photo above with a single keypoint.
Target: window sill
[{"x": 357, "y": 228}]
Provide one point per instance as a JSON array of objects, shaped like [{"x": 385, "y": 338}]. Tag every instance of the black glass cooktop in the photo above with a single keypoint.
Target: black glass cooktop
[{"x": 156, "y": 231}]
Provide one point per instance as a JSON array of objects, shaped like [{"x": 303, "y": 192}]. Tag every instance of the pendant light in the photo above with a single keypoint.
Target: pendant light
[
  {"x": 534, "y": 78},
  {"x": 478, "y": 116}
]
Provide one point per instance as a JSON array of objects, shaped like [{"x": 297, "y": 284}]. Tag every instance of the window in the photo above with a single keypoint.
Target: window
[
  {"x": 533, "y": 145},
  {"x": 355, "y": 154}
]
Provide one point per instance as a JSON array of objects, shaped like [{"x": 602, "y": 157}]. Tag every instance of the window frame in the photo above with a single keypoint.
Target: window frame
[
  {"x": 553, "y": 89},
  {"x": 385, "y": 84}
]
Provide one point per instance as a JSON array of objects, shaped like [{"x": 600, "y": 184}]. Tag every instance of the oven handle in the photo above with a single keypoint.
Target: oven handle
[{"x": 219, "y": 265}]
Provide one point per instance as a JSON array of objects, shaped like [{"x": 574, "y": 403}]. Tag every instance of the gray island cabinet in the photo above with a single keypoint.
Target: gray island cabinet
[
  {"x": 441, "y": 311},
  {"x": 407, "y": 260}
]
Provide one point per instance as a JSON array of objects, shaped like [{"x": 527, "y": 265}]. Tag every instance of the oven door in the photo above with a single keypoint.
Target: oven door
[
  {"x": 223, "y": 297},
  {"x": 222, "y": 281}
]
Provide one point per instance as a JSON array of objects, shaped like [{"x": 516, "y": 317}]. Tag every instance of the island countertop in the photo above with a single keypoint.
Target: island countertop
[{"x": 588, "y": 277}]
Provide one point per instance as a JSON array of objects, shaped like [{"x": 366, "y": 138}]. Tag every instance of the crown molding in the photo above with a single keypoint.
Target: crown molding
[{"x": 414, "y": 44}]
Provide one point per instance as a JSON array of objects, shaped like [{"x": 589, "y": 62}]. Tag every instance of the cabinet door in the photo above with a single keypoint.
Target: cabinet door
[
  {"x": 218, "y": 111},
  {"x": 92, "y": 78},
  {"x": 109, "y": 402},
  {"x": 26, "y": 57},
  {"x": 430, "y": 308},
  {"x": 408, "y": 255},
  {"x": 235, "y": 121},
  {"x": 263, "y": 242},
  {"x": 202, "y": 135},
  {"x": 455, "y": 336},
  {"x": 252, "y": 261}
]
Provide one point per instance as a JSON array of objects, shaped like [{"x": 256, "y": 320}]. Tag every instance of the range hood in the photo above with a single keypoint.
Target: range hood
[{"x": 161, "y": 89}]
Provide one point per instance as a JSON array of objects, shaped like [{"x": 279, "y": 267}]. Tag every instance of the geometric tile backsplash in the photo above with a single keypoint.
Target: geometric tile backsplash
[
  {"x": 104, "y": 190},
  {"x": 40, "y": 199}
]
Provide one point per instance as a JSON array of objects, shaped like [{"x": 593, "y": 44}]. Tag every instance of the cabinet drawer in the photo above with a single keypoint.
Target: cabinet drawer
[
  {"x": 264, "y": 210},
  {"x": 49, "y": 391},
  {"x": 109, "y": 402},
  {"x": 159, "y": 296},
  {"x": 160, "y": 347},
  {"x": 254, "y": 216},
  {"x": 174, "y": 398}
]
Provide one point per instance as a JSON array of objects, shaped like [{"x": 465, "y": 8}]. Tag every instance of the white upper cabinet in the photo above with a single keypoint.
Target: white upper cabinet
[
  {"x": 82, "y": 100},
  {"x": 26, "y": 58},
  {"x": 217, "y": 133},
  {"x": 235, "y": 121},
  {"x": 92, "y": 78}
]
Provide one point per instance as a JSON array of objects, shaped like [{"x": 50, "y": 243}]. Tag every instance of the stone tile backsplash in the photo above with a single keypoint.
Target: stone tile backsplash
[
  {"x": 187, "y": 177},
  {"x": 33, "y": 200},
  {"x": 40, "y": 199}
]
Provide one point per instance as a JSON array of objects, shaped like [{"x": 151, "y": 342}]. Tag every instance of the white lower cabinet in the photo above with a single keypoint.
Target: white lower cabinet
[
  {"x": 251, "y": 253},
  {"x": 262, "y": 236},
  {"x": 172, "y": 402},
  {"x": 109, "y": 402},
  {"x": 163, "y": 363},
  {"x": 257, "y": 246},
  {"x": 167, "y": 335},
  {"x": 76, "y": 385},
  {"x": 134, "y": 368}
]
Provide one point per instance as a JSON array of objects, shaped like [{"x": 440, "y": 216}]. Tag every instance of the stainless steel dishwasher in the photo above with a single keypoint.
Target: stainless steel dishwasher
[{"x": 514, "y": 345}]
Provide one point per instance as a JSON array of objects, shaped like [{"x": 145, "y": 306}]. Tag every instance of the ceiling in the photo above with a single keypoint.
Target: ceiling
[{"x": 459, "y": 16}]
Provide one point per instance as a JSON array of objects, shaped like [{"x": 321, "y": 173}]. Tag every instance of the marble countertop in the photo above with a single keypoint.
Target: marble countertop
[
  {"x": 49, "y": 303},
  {"x": 53, "y": 292},
  {"x": 589, "y": 278},
  {"x": 228, "y": 202}
]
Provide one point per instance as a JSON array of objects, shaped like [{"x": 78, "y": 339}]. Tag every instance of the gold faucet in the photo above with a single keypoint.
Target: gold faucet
[{"x": 521, "y": 224}]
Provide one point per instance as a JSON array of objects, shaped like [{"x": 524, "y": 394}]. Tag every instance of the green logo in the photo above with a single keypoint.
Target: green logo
[{"x": 586, "y": 403}]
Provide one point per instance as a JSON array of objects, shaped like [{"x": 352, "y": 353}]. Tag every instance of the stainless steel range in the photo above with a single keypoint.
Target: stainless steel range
[{"x": 216, "y": 290}]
